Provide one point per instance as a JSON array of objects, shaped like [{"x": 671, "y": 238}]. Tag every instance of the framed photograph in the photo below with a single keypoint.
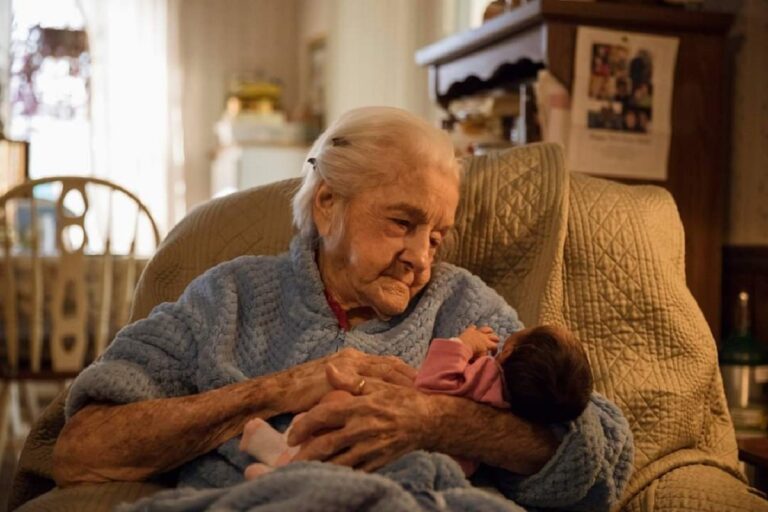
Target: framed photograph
[{"x": 316, "y": 83}]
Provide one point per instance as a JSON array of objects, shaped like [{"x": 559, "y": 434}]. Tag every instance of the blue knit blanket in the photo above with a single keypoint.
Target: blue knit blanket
[
  {"x": 257, "y": 315},
  {"x": 415, "y": 482}
]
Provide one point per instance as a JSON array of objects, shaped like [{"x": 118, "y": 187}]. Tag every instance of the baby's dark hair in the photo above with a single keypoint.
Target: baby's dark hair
[{"x": 547, "y": 376}]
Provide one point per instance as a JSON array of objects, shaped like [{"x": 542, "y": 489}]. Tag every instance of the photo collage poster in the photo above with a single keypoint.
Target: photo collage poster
[{"x": 621, "y": 104}]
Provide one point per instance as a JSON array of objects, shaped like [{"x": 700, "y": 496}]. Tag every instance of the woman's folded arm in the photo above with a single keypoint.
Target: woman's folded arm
[
  {"x": 136, "y": 411},
  {"x": 589, "y": 470},
  {"x": 105, "y": 442},
  {"x": 584, "y": 467},
  {"x": 495, "y": 437}
]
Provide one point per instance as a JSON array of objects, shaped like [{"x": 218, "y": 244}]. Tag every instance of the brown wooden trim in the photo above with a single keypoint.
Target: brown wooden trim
[
  {"x": 490, "y": 32},
  {"x": 754, "y": 450},
  {"x": 502, "y": 64},
  {"x": 654, "y": 18},
  {"x": 746, "y": 258},
  {"x": 25, "y": 190},
  {"x": 606, "y": 14}
]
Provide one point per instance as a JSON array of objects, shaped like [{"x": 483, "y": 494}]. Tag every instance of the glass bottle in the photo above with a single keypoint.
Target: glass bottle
[{"x": 744, "y": 367}]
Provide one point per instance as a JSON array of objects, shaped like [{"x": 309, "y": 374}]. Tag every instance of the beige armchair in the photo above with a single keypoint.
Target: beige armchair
[{"x": 604, "y": 258}]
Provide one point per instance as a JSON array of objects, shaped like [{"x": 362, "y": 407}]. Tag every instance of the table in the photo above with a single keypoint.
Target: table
[{"x": 753, "y": 451}]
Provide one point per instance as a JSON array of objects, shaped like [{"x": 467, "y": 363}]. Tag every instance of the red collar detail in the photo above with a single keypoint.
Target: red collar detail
[{"x": 341, "y": 315}]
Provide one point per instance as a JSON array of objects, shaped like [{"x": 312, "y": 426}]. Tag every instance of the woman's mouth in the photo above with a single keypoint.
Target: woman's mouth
[{"x": 404, "y": 281}]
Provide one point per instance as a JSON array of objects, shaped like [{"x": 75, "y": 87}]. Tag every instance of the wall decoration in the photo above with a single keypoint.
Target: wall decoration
[
  {"x": 622, "y": 103},
  {"x": 316, "y": 85}
]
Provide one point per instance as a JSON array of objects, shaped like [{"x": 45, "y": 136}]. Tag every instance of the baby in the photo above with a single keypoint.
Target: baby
[{"x": 541, "y": 374}]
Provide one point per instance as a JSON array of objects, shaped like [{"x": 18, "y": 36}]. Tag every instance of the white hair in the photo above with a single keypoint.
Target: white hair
[{"x": 366, "y": 147}]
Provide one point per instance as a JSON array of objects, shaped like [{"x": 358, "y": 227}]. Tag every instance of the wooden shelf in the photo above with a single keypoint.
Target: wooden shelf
[
  {"x": 513, "y": 47},
  {"x": 754, "y": 450}
]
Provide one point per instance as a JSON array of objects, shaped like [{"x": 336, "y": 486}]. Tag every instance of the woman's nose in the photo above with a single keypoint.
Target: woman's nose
[{"x": 417, "y": 252}]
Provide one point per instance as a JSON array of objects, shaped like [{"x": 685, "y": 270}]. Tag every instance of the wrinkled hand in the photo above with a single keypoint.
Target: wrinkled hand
[
  {"x": 367, "y": 431},
  {"x": 313, "y": 384},
  {"x": 389, "y": 369},
  {"x": 480, "y": 340}
]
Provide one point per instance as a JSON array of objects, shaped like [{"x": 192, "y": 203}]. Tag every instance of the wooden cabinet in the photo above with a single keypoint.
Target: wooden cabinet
[
  {"x": 253, "y": 165},
  {"x": 510, "y": 49}
]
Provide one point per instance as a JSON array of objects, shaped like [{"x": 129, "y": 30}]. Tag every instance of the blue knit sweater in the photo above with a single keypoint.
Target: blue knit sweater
[{"x": 256, "y": 315}]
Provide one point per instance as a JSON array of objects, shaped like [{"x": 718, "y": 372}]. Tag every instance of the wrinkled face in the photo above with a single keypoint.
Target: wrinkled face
[{"x": 380, "y": 255}]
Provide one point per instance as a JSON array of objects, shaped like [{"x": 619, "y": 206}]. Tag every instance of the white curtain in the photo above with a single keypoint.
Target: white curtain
[{"x": 135, "y": 102}]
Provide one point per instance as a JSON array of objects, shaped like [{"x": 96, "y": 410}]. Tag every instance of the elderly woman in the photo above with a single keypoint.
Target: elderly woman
[{"x": 359, "y": 288}]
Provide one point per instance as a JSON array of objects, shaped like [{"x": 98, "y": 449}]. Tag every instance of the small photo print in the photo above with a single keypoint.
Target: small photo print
[{"x": 620, "y": 89}]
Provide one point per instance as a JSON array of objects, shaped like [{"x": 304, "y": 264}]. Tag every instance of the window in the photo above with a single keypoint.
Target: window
[{"x": 50, "y": 86}]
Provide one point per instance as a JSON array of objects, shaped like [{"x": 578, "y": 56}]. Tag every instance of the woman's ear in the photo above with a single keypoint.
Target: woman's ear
[{"x": 323, "y": 209}]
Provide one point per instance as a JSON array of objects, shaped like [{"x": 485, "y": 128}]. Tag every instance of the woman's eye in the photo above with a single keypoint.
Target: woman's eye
[
  {"x": 401, "y": 223},
  {"x": 435, "y": 241}
]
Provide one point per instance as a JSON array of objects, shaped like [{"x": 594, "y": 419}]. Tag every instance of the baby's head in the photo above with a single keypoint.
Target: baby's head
[{"x": 546, "y": 372}]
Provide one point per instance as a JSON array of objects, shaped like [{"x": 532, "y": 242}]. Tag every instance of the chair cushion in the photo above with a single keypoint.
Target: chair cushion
[
  {"x": 698, "y": 488},
  {"x": 511, "y": 223},
  {"x": 253, "y": 221}
]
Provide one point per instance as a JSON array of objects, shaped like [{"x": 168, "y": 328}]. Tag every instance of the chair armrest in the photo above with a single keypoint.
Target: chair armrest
[
  {"x": 94, "y": 498},
  {"x": 697, "y": 487}
]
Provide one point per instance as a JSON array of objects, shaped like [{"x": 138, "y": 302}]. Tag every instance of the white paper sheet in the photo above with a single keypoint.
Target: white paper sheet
[
  {"x": 621, "y": 104},
  {"x": 553, "y": 102}
]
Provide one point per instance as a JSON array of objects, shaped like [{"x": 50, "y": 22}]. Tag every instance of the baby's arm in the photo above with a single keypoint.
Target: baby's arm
[
  {"x": 480, "y": 340},
  {"x": 447, "y": 361},
  {"x": 447, "y": 365},
  {"x": 450, "y": 369}
]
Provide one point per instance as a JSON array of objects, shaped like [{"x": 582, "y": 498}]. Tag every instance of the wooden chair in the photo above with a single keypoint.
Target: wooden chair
[
  {"x": 65, "y": 287},
  {"x": 14, "y": 163}
]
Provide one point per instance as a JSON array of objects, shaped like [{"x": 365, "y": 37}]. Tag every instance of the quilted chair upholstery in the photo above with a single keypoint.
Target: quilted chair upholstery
[{"x": 603, "y": 258}]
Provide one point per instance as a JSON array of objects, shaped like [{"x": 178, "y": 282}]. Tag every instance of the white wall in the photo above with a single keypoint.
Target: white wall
[
  {"x": 748, "y": 222},
  {"x": 218, "y": 39},
  {"x": 370, "y": 45}
]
